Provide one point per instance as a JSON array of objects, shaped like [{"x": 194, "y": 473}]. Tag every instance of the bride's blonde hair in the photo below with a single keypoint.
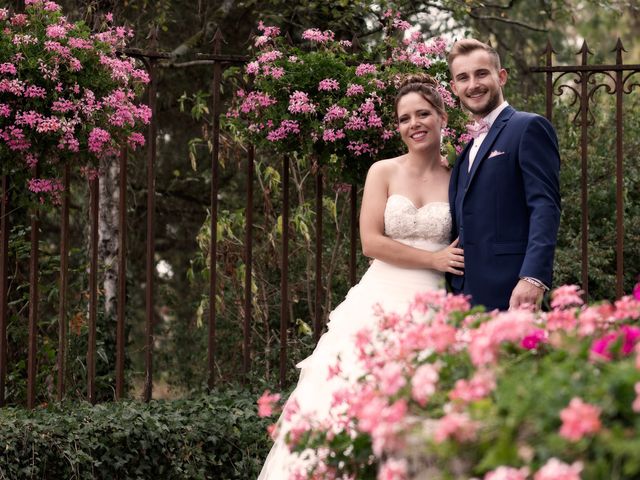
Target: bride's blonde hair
[{"x": 423, "y": 84}]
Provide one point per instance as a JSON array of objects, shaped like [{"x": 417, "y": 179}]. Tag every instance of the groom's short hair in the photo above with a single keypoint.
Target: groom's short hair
[{"x": 468, "y": 45}]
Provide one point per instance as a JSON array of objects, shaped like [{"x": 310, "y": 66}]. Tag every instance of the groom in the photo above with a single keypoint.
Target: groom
[{"x": 504, "y": 189}]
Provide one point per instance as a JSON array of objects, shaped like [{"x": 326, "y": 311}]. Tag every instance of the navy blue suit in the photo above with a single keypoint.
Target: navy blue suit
[{"x": 506, "y": 210}]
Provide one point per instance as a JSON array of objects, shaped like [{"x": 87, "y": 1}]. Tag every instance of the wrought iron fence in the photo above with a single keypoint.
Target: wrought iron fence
[
  {"x": 583, "y": 86},
  {"x": 580, "y": 80}
]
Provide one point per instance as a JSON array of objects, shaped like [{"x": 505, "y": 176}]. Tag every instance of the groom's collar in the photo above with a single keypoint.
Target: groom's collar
[{"x": 495, "y": 113}]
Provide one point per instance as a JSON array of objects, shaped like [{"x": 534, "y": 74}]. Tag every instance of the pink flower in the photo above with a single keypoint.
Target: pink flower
[
  {"x": 331, "y": 135},
  {"x": 423, "y": 383},
  {"x": 401, "y": 24},
  {"x": 566, "y": 296},
  {"x": 602, "y": 347},
  {"x": 252, "y": 68},
  {"x": 441, "y": 336},
  {"x": 316, "y": 35},
  {"x": 335, "y": 112},
  {"x": 299, "y": 103},
  {"x": 266, "y": 403},
  {"x": 275, "y": 72},
  {"x": 328, "y": 84},
  {"x": 554, "y": 469},
  {"x": 268, "y": 31},
  {"x": 531, "y": 342},
  {"x": 390, "y": 378},
  {"x": 97, "y": 139},
  {"x": 56, "y": 31},
  {"x": 579, "y": 419},
  {"x": 627, "y": 307},
  {"x": 507, "y": 473},
  {"x": 269, "y": 56},
  {"x": 561, "y": 320},
  {"x": 393, "y": 469},
  {"x": 354, "y": 89},
  {"x": 636, "y": 291},
  {"x": 19, "y": 19},
  {"x": 480, "y": 386},
  {"x": 135, "y": 140},
  {"x": 636, "y": 402},
  {"x": 364, "y": 69},
  {"x": 457, "y": 426},
  {"x": 46, "y": 186},
  {"x": 631, "y": 335},
  {"x": 8, "y": 68}
]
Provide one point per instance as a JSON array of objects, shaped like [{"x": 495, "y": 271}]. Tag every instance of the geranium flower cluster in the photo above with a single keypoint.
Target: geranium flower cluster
[
  {"x": 66, "y": 95},
  {"x": 519, "y": 395},
  {"x": 327, "y": 100}
]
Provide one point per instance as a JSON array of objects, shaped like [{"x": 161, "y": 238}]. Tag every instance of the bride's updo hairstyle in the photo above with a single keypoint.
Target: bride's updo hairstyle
[{"x": 423, "y": 84}]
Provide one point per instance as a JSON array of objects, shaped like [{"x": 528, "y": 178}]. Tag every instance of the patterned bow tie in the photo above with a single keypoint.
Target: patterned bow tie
[{"x": 476, "y": 129}]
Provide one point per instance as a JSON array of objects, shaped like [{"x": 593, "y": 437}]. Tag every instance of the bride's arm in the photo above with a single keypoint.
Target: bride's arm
[{"x": 376, "y": 244}]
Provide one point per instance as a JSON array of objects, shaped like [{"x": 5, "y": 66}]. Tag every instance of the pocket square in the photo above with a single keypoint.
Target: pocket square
[{"x": 495, "y": 153}]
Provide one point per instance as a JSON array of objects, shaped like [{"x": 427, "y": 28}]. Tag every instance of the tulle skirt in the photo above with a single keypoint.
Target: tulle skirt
[{"x": 393, "y": 288}]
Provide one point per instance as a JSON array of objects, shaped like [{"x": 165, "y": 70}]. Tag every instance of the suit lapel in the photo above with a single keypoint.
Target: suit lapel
[
  {"x": 493, "y": 133},
  {"x": 459, "y": 173}
]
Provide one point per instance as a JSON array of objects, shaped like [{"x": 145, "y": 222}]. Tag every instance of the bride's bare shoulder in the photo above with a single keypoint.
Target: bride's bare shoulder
[{"x": 386, "y": 167}]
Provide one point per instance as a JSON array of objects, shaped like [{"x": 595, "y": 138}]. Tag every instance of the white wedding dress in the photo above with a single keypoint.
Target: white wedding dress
[{"x": 427, "y": 228}]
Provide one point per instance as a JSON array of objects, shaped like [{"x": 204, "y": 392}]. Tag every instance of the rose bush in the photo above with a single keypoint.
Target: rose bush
[
  {"x": 66, "y": 95},
  {"x": 454, "y": 392},
  {"x": 335, "y": 103}
]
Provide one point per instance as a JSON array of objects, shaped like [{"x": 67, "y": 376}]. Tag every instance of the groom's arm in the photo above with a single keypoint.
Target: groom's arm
[{"x": 540, "y": 165}]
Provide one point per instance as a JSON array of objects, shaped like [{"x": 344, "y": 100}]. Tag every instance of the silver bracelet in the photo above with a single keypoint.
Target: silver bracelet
[{"x": 535, "y": 283}]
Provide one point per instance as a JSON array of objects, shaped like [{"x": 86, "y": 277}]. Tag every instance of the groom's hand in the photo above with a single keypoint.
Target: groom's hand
[{"x": 526, "y": 293}]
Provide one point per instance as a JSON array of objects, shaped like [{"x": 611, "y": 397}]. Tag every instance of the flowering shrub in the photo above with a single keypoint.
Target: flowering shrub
[
  {"x": 65, "y": 94},
  {"x": 328, "y": 100},
  {"x": 450, "y": 392}
]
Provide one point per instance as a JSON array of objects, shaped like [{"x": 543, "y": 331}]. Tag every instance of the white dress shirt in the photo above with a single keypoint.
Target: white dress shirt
[{"x": 475, "y": 146}]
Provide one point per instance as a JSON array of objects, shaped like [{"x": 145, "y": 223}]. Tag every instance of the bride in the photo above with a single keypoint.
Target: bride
[{"x": 405, "y": 226}]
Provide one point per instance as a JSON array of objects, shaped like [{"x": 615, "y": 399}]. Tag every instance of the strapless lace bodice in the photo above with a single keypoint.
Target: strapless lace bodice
[{"x": 421, "y": 227}]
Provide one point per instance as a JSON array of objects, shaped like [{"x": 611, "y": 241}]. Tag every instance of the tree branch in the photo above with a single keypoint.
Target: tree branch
[{"x": 508, "y": 21}]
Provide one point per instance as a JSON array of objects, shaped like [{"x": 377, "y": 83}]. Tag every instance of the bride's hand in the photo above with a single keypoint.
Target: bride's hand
[{"x": 449, "y": 259}]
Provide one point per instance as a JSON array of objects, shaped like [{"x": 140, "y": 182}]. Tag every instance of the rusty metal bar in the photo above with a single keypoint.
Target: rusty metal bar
[
  {"x": 33, "y": 306},
  {"x": 549, "y": 82},
  {"x": 284, "y": 274},
  {"x": 122, "y": 274},
  {"x": 213, "y": 249},
  {"x": 94, "y": 184},
  {"x": 151, "y": 238},
  {"x": 353, "y": 206},
  {"x": 585, "y": 68},
  {"x": 4, "y": 283},
  {"x": 318, "y": 324},
  {"x": 64, "y": 284},
  {"x": 619, "y": 176},
  {"x": 248, "y": 259},
  {"x": 584, "y": 143}
]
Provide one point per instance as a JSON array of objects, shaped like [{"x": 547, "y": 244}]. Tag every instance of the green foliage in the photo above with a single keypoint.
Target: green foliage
[{"x": 217, "y": 436}]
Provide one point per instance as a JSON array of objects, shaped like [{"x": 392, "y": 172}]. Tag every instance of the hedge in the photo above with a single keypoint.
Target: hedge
[{"x": 216, "y": 436}]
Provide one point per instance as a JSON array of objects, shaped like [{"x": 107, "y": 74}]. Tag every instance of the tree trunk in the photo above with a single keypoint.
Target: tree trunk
[{"x": 108, "y": 232}]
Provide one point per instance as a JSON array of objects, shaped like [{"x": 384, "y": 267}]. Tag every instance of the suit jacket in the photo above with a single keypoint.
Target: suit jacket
[{"x": 506, "y": 210}]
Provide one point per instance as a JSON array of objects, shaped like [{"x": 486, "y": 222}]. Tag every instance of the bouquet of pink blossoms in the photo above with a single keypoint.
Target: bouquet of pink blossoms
[
  {"x": 335, "y": 103},
  {"x": 454, "y": 393},
  {"x": 66, "y": 95}
]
